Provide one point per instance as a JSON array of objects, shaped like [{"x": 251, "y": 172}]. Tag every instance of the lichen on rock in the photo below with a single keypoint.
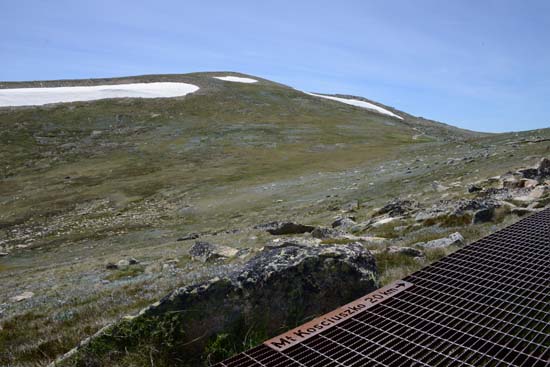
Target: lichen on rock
[{"x": 279, "y": 288}]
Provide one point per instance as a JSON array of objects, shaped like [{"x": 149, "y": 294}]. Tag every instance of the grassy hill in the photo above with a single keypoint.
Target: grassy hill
[{"x": 87, "y": 183}]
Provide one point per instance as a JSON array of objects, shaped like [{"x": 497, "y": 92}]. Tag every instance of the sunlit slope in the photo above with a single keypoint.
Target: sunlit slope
[{"x": 226, "y": 133}]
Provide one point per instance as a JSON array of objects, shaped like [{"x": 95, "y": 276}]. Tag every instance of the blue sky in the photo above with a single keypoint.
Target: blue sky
[{"x": 482, "y": 65}]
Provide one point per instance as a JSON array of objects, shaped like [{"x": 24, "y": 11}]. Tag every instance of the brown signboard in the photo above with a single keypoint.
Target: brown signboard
[{"x": 322, "y": 323}]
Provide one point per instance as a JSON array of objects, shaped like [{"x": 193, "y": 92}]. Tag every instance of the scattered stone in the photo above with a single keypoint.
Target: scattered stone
[
  {"x": 123, "y": 263},
  {"x": 534, "y": 195},
  {"x": 21, "y": 297},
  {"x": 511, "y": 183},
  {"x": 484, "y": 215},
  {"x": 544, "y": 168},
  {"x": 111, "y": 266},
  {"x": 190, "y": 236},
  {"x": 343, "y": 223},
  {"x": 324, "y": 232},
  {"x": 453, "y": 239},
  {"x": 398, "y": 207},
  {"x": 529, "y": 173},
  {"x": 298, "y": 241},
  {"x": 282, "y": 228},
  {"x": 205, "y": 251},
  {"x": 474, "y": 188},
  {"x": 381, "y": 222},
  {"x": 528, "y": 183}
]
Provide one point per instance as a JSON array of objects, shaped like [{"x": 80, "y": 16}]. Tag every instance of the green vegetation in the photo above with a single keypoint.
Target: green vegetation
[
  {"x": 85, "y": 184},
  {"x": 128, "y": 272}
]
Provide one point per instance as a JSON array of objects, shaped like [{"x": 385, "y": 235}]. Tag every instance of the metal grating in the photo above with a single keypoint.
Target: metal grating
[{"x": 487, "y": 304}]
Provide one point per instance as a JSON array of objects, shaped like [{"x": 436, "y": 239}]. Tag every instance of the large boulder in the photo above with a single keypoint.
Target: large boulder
[{"x": 279, "y": 288}]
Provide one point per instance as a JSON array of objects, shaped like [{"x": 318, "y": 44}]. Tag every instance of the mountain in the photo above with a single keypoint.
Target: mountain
[{"x": 88, "y": 183}]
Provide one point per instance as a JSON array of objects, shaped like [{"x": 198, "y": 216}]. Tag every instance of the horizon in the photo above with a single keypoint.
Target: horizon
[{"x": 475, "y": 66}]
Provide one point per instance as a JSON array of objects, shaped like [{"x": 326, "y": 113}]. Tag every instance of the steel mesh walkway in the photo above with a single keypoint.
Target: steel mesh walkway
[{"x": 487, "y": 304}]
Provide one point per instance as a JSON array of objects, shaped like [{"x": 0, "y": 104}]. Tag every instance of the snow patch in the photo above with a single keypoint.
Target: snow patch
[
  {"x": 236, "y": 79},
  {"x": 42, "y": 96},
  {"x": 358, "y": 103}
]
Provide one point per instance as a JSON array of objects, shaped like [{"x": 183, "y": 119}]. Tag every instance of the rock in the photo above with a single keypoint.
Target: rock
[
  {"x": 205, "y": 251},
  {"x": 528, "y": 183},
  {"x": 534, "y": 195},
  {"x": 529, "y": 173},
  {"x": 21, "y": 297},
  {"x": 123, "y": 263},
  {"x": 484, "y": 215},
  {"x": 299, "y": 241},
  {"x": 474, "y": 188},
  {"x": 111, "y": 266},
  {"x": 380, "y": 222},
  {"x": 541, "y": 171},
  {"x": 398, "y": 207},
  {"x": 453, "y": 239},
  {"x": 277, "y": 288},
  {"x": 511, "y": 183},
  {"x": 428, "y": 215},
  {"x": 408, "y": 251},
  {"x": 2, "y": 254},
  {"x": 324, "y": 232},
  {"x": 282, "y": 228},
  {"x": 190, "y": 236},
  {"x": 343, "y": 223},
  {"x": 544, "y": 168},
  {"x": 132, "y": 261}
]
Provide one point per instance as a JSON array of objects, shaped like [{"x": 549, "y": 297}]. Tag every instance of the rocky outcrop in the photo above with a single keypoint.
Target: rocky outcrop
[
  {"x": 283, "y": 228},
  {"x": 279, "y": 288}
]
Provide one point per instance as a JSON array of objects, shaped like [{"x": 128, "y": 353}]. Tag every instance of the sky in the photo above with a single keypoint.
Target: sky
[{"x": 478, "y": 64}]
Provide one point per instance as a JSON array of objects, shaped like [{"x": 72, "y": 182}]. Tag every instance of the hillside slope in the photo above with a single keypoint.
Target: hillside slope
[{"x": 84, "y": 184}]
